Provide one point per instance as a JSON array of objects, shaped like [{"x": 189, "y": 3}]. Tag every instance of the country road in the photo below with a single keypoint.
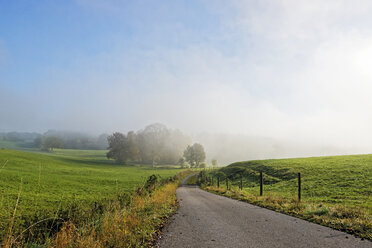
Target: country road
[{"x": 208, "y": 220}]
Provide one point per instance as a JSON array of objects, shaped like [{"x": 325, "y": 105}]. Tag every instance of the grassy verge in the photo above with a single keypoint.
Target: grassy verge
[
  {"x": 128, "y": 221},
  {"x": 134, "y": 225},
  {"x": 336, "y": 190},
  {"x": 355, "y": 221}
]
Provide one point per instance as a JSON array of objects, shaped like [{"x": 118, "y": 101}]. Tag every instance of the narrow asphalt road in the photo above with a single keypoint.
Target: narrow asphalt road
[{"x": 208, "y": 220}]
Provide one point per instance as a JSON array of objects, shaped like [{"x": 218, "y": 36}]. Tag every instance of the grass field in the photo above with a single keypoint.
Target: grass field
[
  {"x": 4, "y": 144},
  {"x": 336, "y": 190},
  {"x": 66, "y": 183}
]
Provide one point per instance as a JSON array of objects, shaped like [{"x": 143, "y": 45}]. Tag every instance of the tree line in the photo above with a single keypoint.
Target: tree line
[
  {"x": 70, "y": 140},
  {"x": 56, "y": 139},
  {"x": 155, "y": 144}
]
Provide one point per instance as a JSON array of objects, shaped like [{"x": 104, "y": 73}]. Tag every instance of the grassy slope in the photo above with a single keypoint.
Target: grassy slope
[
  {"x": 338, "y": 179},
  {"x": 51, "y": 182},
  {"x": 336, "y": 191}
]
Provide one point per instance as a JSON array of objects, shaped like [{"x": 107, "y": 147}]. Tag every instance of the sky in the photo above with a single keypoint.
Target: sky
[{"x": 287, "y": 69}]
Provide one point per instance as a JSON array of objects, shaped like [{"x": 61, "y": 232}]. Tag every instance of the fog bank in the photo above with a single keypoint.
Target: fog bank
[{"x": 271, "y": 79}]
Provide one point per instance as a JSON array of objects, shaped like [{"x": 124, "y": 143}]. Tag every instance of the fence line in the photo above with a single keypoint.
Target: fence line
[{"x": 261, "y": 181}]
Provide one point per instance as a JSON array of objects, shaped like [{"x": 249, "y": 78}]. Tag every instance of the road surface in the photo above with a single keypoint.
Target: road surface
[{"x": 208, "y": 220}]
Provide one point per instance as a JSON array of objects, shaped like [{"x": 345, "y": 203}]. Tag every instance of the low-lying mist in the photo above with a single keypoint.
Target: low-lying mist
[
  {"x": 229, "y": 148},
  {"x": 226, "y": 148},
  {"x": 247, "y": 79}
]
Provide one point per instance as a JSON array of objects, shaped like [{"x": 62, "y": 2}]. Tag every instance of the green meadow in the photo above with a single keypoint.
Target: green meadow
[
  {"x": 64, "y": 184},
  {"x": 343, "y": 180},
  {"x": 336, "y": 190},
  {"x": 4, "y": 144}
]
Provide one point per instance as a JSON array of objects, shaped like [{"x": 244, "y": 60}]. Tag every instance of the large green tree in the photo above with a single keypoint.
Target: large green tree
[
  {"x": 122, "y": 148},
  {"x": 154, "y": 144},
  {"x": 152, "y": 141},
  {"x": 51, "y": 142},
  {"x": 159, "y": 144},
  {"x": 194, "y": 155}
]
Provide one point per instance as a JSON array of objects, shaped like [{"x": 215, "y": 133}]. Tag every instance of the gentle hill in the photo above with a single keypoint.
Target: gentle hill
[
  {"x": 336, "y": 190},
  {"x": 334, "y": 179}
]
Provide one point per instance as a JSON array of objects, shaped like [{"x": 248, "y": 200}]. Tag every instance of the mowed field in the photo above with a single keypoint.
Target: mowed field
[
  {"x": 67, "y": 183},
  {"x": 336, "y": 190}
]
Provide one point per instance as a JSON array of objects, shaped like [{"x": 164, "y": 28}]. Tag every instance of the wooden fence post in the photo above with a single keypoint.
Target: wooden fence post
[
  {"x": 227, "y": 184},
  {"x": 261, "y": 184},
  {"x": 299, "y": 186},
  {"x": 218, "y": 182}
]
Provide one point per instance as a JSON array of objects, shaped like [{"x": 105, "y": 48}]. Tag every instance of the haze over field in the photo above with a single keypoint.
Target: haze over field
[{"x": 254, "y": 79}]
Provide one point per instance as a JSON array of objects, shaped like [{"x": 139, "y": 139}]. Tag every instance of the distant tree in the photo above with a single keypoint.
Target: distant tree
[
  {"x": 154, "y": 144},
  {"x": 194, "y": 155},
  {"x": 152, "y": 141},
  {"x": 122, "y": 147},
  {"x": 51, "y": 142},
  {"x": 175, "y": 144},
  {"x": 13, "y": 136},
  {"x": 132, "y": 146},
  {"x": 38, "y": 142},
  {"x": 214, "y": 162},
  {"x": 116, "y": 143},
  {"x": 77, "y": 140}
]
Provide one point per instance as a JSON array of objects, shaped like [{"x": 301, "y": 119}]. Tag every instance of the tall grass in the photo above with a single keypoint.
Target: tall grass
[
  {"x": 130, "y": 220},
  {"x": 133, "y": 225},
  {"x": 67, "y": 186},
  {"x": 9, "y": 239}
]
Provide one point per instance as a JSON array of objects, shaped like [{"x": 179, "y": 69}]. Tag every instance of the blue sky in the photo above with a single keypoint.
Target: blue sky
[
  {"x": 42, "y": 34},
  {"x": 283, "y": 68}
]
